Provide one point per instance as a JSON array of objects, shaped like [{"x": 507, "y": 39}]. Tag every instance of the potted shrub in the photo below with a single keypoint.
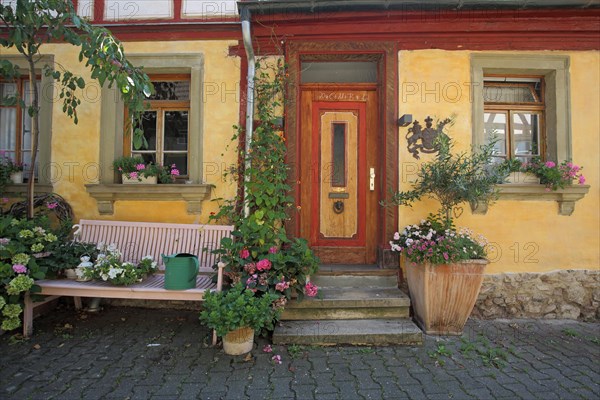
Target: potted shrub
[
  {"x": 67, "y": 256},
  {"x": 445, "y": 266},
  {"x": 135, "y": 170},
  {"x": 236, "y": 314},
  {"x": 11, "y": 170},
  {"x": 109, "y": 267},
  {"x": 512, "y": 172}
]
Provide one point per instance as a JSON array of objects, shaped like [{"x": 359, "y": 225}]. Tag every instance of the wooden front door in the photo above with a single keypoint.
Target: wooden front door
[{"x": 339, "y": 170}]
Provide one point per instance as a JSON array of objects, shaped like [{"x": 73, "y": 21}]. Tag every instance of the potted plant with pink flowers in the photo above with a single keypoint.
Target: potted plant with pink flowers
[
  {"x": 554, "y": 175},
  {"x": 134, "y": 169},
  {"x": 260, "y": 256}
]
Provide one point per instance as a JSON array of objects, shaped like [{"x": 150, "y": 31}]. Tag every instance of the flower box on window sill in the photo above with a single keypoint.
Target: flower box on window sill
[
  {"x": 106, "y": 195},
  {"x": 522, "y": 178},
  {"x": 144, "y": 180},
  {"x": 565, "y": 198}
]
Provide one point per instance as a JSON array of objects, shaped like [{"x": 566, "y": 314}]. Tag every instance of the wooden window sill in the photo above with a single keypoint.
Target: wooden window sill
[
  {"x": 106, "y": 195},
  {"x": 565, "y": 198}
]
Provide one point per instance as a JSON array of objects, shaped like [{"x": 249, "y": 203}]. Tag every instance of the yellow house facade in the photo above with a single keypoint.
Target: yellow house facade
[{"x": 368, "y": 70}]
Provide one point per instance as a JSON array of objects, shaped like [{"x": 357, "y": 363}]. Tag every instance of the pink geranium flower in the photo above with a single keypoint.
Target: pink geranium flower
[
  {"x": 276, "y": 359},
  {"x": 263, "y": 265},
  {"x": 244, "y": 253},
  {"x": 268, "y": 348},
  {"x": 311, "y": 289},
  {"x": 273, "y": 249},
  {"x": 52, "y": 206},
  {"x": 281, "y": 286},
  {"x": 140, "y": 167}
]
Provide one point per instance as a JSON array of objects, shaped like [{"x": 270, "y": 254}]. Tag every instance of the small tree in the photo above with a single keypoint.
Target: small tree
[
  {"x": 452, "y": 179},
  {"x": 31, "y": 23}
]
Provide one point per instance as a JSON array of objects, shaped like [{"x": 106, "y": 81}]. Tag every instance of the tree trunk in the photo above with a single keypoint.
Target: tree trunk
[{"x": 35, "y": 131}]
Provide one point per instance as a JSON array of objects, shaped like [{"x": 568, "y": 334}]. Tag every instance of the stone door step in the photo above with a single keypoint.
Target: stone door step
[
  {"x": 377, "y": 332},
  {"x": 355, "y": 281},
  {"x": 356, "y": 270},
  {"x": 350, "y": 303}
]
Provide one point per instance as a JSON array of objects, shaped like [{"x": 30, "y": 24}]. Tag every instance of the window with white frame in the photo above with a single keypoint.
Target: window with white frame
[
  {"x": 524, "y": 98},
  {"x": 166, "y": 124},
  {"x": 15, "y": 122},
  {"x": 514, "y": 112}
]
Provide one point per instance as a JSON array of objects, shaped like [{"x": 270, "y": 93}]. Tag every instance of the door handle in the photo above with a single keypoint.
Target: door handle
[{"x": 372, "y": 179}]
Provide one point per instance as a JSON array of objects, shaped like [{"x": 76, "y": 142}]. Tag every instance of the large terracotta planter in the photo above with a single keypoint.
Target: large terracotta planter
[
  {"x": 239, "y": 341},
  {"x": 443, "y": 295}
]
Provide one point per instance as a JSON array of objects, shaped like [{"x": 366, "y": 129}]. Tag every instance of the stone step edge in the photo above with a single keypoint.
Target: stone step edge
[
  {"x": 399, "y": 302},
  {"x": 357, "y": 332}
]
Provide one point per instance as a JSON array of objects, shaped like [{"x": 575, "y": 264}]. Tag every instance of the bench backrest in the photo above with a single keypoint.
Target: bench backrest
[{"x": 138, "y": 239}]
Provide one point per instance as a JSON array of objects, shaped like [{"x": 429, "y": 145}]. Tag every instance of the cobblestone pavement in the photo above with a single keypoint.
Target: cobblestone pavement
[{"x": 133, "y": 353}]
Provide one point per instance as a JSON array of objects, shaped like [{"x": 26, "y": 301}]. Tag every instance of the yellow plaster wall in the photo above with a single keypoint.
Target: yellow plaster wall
[
  {"x": 526, "y": 236},
  {"x": 75, "y": 148}
]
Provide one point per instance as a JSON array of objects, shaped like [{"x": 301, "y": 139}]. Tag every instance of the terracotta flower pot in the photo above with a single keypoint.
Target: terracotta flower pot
[
  {"x": 443, "y": 295},
  {"x": 239, "y": 341}
]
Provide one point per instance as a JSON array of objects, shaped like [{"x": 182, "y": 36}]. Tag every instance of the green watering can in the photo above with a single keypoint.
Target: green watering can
[{"x": 180, "y": 271}]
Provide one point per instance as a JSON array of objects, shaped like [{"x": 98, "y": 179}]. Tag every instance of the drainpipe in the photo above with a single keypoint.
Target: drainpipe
[{"x": 245, "y": 16}]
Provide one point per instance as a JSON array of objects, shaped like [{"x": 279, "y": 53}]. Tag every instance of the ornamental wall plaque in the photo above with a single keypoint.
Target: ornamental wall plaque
[{"x": 424, "y": 139}]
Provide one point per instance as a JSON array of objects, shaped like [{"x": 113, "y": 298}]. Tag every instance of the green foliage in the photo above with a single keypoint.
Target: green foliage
[
  {"x": 68, "y": 255},
  {"x": 453, "y": 179},
  {"x": 261, "y": 255},
  {"x": 237, "y": 308},
  {"x": 109, "y": 267},
  {"x": 570, "y": 332},
  {"x": 508, "y": 166},
  {"x": 35, "y": 22},
  {"x": 440, "y": 351},
  {"x": 134, "y": 167},
  {"x": 552, "y": 175},
  {"x": 23, "y": 244},
  {"x": 431, "y": 241},
  {"x": 296, "y": 351},
  {"x": 491, "y": 356}
]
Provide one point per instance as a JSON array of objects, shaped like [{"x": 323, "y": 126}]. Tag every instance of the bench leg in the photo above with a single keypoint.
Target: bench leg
[
  {"x": 28, "y": 316},
  {"x": 77, "y": 301}
]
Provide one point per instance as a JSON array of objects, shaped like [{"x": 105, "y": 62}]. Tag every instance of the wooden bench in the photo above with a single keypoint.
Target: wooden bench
[{"x": 136, "y": 240}]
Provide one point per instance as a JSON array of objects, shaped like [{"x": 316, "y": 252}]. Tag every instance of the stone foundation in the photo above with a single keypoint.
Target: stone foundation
[{"x": 568, "y": 294}]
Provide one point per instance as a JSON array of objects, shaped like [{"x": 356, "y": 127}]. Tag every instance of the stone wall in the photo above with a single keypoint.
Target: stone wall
[{"x": 567, "y": 294}]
